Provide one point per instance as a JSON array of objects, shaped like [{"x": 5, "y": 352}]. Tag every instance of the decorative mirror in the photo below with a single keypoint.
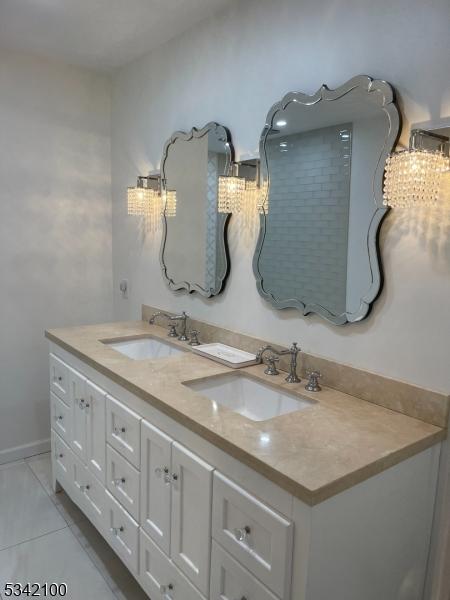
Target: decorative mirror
[
  {"x": 322, "y": 165},
  {"x": 194, "y": 254}
]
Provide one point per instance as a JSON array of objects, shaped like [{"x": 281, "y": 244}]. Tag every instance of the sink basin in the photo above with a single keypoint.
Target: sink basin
[
  {"x": 143, "y": 348},
  {"x": 252, "y": 399}
]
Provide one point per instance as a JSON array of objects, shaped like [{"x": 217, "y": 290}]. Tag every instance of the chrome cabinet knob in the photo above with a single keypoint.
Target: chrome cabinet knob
[
  {"x": 61, "y": 455},
  {"x": 117, "y": 530},
  {"x": 59, "y": 418},
  {"x": 242, "y": 533},
  {"x": 159, "y": 471},
  {"x": 60, "y": 378},
  {"x": 85, "y": 488},
  {"x": 118, "y": 430},
  {"x": 118, "y": 481},
  {"x": 174, "y": 477},
  {"x": 163, "y": 588}
]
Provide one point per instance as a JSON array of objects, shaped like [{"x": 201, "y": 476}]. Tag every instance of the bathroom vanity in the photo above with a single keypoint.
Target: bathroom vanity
[{"x": 303, "y": 496}]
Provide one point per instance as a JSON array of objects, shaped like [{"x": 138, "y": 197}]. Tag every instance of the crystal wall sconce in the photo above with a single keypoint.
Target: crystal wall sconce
[
  {"x": 141, "y": 197},
  {"x": 169, "y": 203},
  {"x": 413, "y": 177},
  {"x": 237, "y": 189}
]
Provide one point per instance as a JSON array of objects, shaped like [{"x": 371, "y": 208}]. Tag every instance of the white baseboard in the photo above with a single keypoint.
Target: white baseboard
[{"x": 24, "y": 451}]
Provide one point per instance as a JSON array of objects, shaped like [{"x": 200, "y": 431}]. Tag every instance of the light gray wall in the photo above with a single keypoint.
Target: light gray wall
[
  {"x": 55, "y": 228},
  {"x": 231, "y": 69}
]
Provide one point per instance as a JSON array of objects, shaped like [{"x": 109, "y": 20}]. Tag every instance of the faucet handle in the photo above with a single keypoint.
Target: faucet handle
[
  {"x": 172, "y": 331},
  {"x": 313, "y": 382},
  {"x": 194, "y": 338},
  {"x": 271, "y": 366}
]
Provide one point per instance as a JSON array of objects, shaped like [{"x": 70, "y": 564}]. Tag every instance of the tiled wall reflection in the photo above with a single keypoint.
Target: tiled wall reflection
[{"x": 305, "y": 249}]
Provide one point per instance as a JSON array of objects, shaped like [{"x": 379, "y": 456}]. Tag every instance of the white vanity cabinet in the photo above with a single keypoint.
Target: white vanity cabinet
[{"x": 192, "y": 523}]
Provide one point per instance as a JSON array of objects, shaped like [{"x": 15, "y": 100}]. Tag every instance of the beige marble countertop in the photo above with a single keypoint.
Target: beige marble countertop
[{"x": 314, "y": 453}]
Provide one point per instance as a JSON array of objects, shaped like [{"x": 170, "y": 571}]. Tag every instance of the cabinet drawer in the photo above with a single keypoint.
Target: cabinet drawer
[
  {"x": 122, "y": 533},
  {"x": 159, "y": 576},
  {"x": 94, "y": 500},
  {"x": 123, "y": 431},
  {"x": 230, "y": 581},
  {"x": 123, "y": 481},
  {"x": 61, "y": 416},
  {"x": 59, "y": 381},
  {"x": 258, "y": 537},
  {"x": 62, "y": 461}
]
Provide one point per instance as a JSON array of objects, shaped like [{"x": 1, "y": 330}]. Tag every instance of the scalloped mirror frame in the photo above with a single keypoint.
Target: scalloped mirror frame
[
  {"x": 222, "y": 218},
  {"x": 386, "y": 95}
]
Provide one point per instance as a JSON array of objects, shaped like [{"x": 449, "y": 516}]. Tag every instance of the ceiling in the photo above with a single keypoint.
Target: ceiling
[{"x": 100, "y": 34}]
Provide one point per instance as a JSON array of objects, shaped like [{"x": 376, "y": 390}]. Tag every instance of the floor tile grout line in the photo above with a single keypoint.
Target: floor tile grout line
[
  {"x": 54, "y": 499},
  {"x": 53, "y": 496},
  {"x": 90, "y": 557},
  {"x": 40, "y": 483},
  {"x": 38, "y": 537}
]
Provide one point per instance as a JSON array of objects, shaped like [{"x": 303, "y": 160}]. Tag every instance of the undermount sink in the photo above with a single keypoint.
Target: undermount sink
[
  {"x": 252, "y": 399},
  {"x": 142, "y": 348}
]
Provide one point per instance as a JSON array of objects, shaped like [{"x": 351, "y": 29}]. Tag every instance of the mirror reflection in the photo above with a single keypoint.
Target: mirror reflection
[
  {"x": 194, "y": 252},
  {"x": 322, "y": 167}
]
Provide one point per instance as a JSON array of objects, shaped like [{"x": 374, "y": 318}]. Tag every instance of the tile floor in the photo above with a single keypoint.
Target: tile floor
[{"x": 44, "y": 537}]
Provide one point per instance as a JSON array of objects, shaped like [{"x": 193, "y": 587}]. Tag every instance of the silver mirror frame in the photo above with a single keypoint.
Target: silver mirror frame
[
  {"x": 222, "y": 218},
  {"x": 386, "y": 95}
]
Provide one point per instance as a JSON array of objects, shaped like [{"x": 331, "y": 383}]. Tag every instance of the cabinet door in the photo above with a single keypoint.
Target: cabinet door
[
  {"x": 77, "y": 393},
  {"x": 156, "y": 450},
  {"x": 96, "y": 430},
  {"x": 191, "y": 516},
  {"x": 159, "y": 577}
]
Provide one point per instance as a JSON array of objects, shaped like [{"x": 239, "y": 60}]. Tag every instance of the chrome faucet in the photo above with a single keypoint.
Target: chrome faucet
[
  {"x": 183, "y": 322},
  {"x": 271, "y": 369},
  {"x": 172, "y": 328}
]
